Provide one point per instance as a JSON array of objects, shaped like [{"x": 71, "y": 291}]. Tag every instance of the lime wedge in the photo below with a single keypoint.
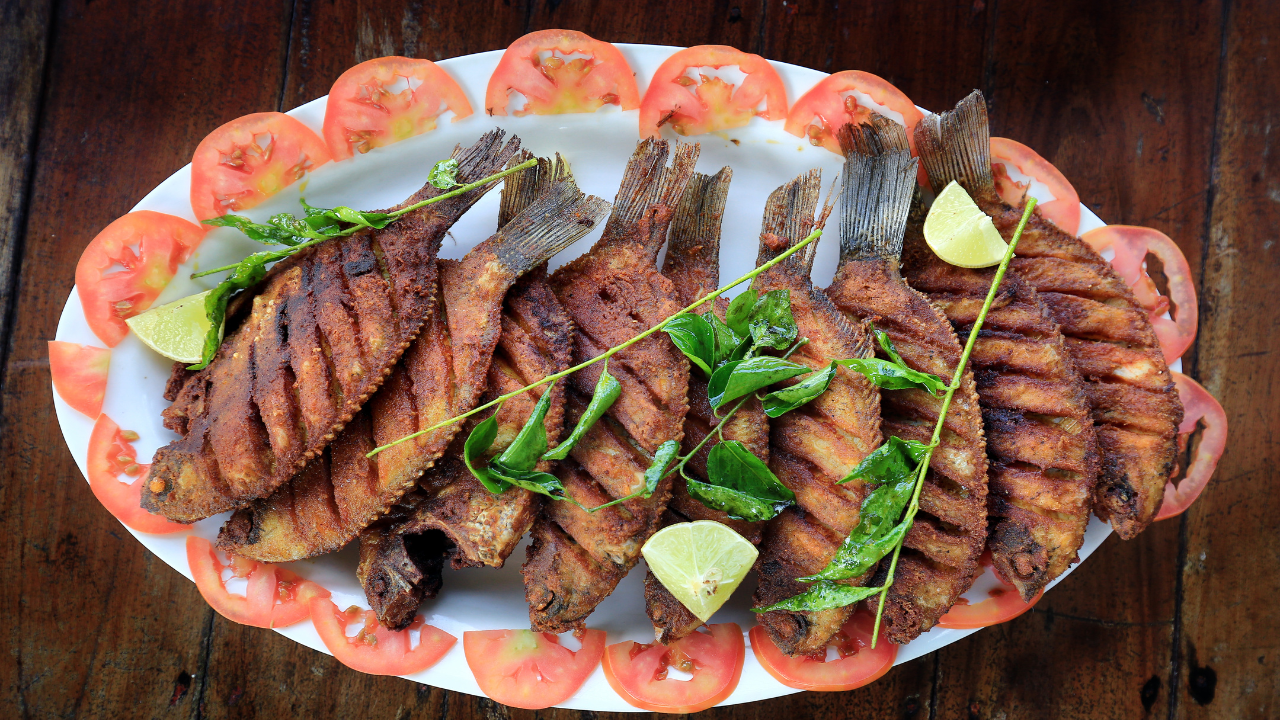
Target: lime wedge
[
  {"x": 701, "y": 563},
  {"x": 960, "y": 233},
  {"x": 176, "y": 330}
]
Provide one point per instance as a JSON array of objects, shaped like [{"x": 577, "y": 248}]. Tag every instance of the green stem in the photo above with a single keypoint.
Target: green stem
[
  {"x": 946, "y": 405},
  {"x": 817, "y": 233},
  {"x": 394, "y": 214}
]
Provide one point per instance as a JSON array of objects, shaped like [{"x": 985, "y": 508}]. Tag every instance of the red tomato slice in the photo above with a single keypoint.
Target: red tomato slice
[
  {"x": 831, "y": 104},
  {"x": 378, "y": 651},
  {"x": 691, "y": 107},
  {"x": 1200, "y": 408},
  {"x": 638, "y": 673},
  {"x": 1063, "y": 209},
  {"x": 250, "y": 159},
  {"x": 1131, "y": 245},
  {"x": 530, "y": 670},
  {"x": 536, "y": 67},
  {"x": 111, "y": 455},
  {"x": 275, "y": 597},
  {"x": 125, "y": 267},
  {"x": 386, "y": 100},
  {"x": 1005, "y": 604},
  {"x": 857, "y": 665},
  {"x": 79, "y": 375}
]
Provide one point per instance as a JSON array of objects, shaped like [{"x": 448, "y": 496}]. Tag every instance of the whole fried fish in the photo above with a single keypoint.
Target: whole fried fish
[
  {"x": 325, "y": 329},
  {"x": 693, "y": 266},
  {"x": 451, "y": 516},
  {"x": 442, "y": 375},
  {"x": 1041, "y": 445},
  {"x": 1136, "y": 410},
  {"x": 815, "y": 446},
  {"x": 613, "y": 293},
  {"x": 940, "y": 554}
]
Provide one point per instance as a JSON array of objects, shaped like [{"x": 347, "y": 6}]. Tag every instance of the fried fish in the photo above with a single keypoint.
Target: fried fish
[
  {"x": 325, "y": 329},
  {"x": 451, "y": 516},
  {"x": 442, "y": 375},
  {"x": 812, "y": 448},
  {"x": 940, "y": 554},
  {"x": 693, "y": 266},
  {"x": 1136, "y": 410},
  {"x": 613, "y": 293}
]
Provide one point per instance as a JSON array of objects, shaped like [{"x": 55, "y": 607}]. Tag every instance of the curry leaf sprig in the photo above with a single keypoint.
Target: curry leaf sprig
[
  {"x": 897, "y": 469},
  {"x": 315, "y": 226}
]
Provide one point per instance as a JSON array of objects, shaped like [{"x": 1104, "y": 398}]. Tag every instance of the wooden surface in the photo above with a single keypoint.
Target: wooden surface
[{"x": 1160, "y": 113}]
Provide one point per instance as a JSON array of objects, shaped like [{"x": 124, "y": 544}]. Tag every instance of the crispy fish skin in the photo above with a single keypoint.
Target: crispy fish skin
[
  {"x": 815, "y": 446},
  {"x": 613, "y": 293},
  {"x": 325, "y": 329},
  {"x": 940, "y": 554},
  {"x": 693, "y": 265},
  {"x": 442, "y": 375},
  {"x": 1107, "y": 333}
]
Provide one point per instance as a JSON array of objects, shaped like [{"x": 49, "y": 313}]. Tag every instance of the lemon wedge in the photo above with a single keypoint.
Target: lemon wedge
[
  {"x": 701, "y": 563},
  {"x": 960, "y": 233},
  {"x": 175, "y": 330}
]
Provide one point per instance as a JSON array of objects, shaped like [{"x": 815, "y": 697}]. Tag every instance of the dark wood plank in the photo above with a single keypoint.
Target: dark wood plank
[
  {"x": 719, "y": 22},
  {"x": 1094, "y": 88},
  {"x": 1227, "y": 642},
  {"x": 98, "y": 626}
]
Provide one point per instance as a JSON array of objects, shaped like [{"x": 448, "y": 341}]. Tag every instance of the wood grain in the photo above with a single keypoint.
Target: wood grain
[{"x": 1159, "y": 113}]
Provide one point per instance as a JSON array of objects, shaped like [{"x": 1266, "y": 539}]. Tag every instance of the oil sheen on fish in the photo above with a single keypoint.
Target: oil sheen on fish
[
  {"x": 324, "y": 331},
  {"x": 693, "y": 266},
  {"x": 613, "y": 293},
  {"x": 451, "y": 516},
  {"x": 1041, "y": 445},
  {"x": 1136, "y": 410},
  {"x": 940, "y": 554},
  {"x": 443, "y": 374},
  {"x": 812, "y": 448}
]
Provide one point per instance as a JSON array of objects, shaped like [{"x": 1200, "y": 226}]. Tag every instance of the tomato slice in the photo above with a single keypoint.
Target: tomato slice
[
  {"x": 79, "y": 375},
  {"x": 386, "y": 100},
  {"x": 275, "y": 597},
  {"x": 540, "y": 67},
  {"x": 845, "y": 98},
  {"x": 1200, "y": 408},
  {"x": 1063, "y": 209},
  {"x": 111, "y": 455},
  {"x": 125, "y": 267},
  {"x": 250, "y": 159},
  {"x": 378, "y": 651},
  {"x": 857, "y": 665},
  {"x": 638, "y": 673},
  {"x": 1004, "y": 605},
  {"x": 530, "y": 670},
  {"x": 696, "y": 106},
  {"x": 1131, "y": 244}
]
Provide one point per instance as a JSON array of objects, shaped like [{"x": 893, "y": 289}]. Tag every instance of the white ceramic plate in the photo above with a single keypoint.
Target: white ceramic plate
[{"x": 597, "y": 147}]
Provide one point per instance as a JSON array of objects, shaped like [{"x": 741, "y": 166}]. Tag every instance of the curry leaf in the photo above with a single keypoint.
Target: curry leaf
[
  {"x": 695, "y": 338},
  {"x": 895, "y": 459},
  {"x": 444, "y": 174},
  {"x": 728, "y": 345},
  {"x": 772, "y": 324},
  {"x": 824, "y": 595},
  {"x": 606, "y": 392},
  {"x": 662, "y": 460},
  {"x": 740, "y": 484},
  {"x": 894, "y": 376},
  {"x": 738, "y": 317},
  {"x": 531, "y": 442},
  {"x": 473, "y": 451},
  {"x": 531, "y": 480},
  {"x": 740, "y": 377},
  {"x": 887, "y": 345},
  {"x": 781, "y": 402}
]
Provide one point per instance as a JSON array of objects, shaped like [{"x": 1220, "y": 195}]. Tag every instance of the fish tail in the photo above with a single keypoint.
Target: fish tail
[
  {"x": 956, "y": 145},
  {"x": 695, "y": 229},
  {"x": 875, "y": 200},
  {"x": 558, "y": 217},
  {"x": 487, "y": 156},
  {"x": 521, "y": 189},
  {"x": 876, "y": 136},
  {"x": 789, "y": 218},
  {"x": 647, "y": 182}
]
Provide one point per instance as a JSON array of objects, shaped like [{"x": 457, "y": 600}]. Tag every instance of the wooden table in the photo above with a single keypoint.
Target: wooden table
[{"x": 1160, "y": 113}]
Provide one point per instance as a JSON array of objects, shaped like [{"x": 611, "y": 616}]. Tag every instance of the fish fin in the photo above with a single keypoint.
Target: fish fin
[
  {"x": 648, "y": 182},
  {"x": 875, "y": 201},
  {"x": 956, "y": 145},
  {"x": 521, "y": 189},
  {"x": 876, "y": 136},
  {"x": 487, "y": 156},
  {"x": 558, "y": 217},
  {"x": 694, "y": 237},
  {"x": 789, "y": 218}
]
